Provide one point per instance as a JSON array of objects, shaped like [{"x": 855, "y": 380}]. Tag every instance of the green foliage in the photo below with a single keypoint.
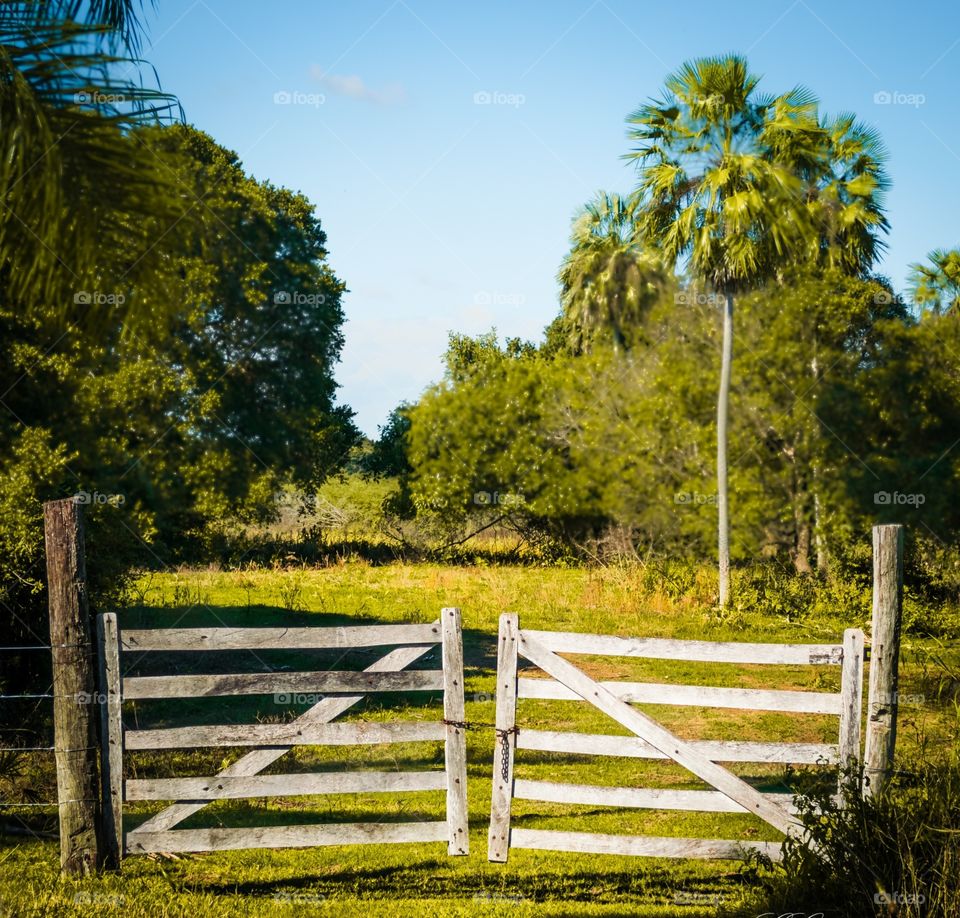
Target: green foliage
[
  {"x": 608, "y": 282},
  {"x": 936, "y": 285},
  {"x": 75, "y": 184},
  {"x": 897, "y": 853},
  {"x": 183, "y": 430}
]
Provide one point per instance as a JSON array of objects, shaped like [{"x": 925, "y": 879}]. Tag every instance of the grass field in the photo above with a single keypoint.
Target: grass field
[{"x": 420, "y": 879}]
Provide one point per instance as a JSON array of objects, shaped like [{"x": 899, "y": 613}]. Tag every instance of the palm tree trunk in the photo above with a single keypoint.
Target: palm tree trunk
[{"x": 723, "y": 405}]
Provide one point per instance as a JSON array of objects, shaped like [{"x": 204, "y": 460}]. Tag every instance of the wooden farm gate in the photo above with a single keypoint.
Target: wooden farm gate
[
  {"x": 730, "y": 794},
  {"x": 341, "y": 690}
]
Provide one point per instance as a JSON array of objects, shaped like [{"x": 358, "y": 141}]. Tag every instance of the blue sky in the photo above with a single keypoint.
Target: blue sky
[{"x": 448, "y": 211}]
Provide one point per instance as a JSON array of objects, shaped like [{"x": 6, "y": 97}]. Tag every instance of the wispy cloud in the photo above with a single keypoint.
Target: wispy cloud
[{"x": 354, "y": 87}]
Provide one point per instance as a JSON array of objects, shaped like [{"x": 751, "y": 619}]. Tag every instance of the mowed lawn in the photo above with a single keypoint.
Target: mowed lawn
[{"x": 421, "y": 879}]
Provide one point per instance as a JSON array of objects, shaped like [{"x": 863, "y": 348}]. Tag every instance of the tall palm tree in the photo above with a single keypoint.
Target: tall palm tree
[
  {"x": 73, "y": 178},
  {"x": 720, "y": 179},
  {"x": 936, "y": 285},
  {"x": 845, "y": 186},
  {"x": 608, "y": 280}
]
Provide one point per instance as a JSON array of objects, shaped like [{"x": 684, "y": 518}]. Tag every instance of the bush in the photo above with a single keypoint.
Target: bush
[{"x": 894, "y": 854}]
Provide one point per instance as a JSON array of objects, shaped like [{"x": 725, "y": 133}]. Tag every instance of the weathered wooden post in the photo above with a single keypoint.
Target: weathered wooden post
[
  {"x": 884, "y": 656},
  {"x": 74, "y": 687},
  {"x": 498, "y": 839},
  {"x": 458, "y": 841}
]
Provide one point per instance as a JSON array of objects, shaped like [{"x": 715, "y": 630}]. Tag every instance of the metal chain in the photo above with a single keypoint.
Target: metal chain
[{"x": 505, "y": 750}]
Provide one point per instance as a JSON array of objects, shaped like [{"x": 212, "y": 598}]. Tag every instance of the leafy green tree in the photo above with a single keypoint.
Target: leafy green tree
[
  {"x": 190, "y": 427},
  {"x": 936, "y": 285},
  {"x": 721, "y": 187}
]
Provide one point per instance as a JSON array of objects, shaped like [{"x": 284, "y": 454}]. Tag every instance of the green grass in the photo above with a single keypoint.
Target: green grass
[{"x": 420, "y": 879}]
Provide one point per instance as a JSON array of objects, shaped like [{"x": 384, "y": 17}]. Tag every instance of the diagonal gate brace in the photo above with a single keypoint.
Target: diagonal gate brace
[
  {"x": 256, "y": 761},
  {"x": 658, "y": 736}
]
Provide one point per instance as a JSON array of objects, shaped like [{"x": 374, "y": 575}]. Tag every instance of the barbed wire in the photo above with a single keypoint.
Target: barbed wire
[
  {"x": 46, "y": 646},
  {"x": 8, "y": 806}
]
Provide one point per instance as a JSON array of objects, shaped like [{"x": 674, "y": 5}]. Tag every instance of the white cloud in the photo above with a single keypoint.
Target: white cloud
[{"x": 353, "y": 87}]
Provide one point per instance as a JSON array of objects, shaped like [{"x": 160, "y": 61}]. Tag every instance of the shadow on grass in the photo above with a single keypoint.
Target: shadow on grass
[{"x": 588, "y": 881}]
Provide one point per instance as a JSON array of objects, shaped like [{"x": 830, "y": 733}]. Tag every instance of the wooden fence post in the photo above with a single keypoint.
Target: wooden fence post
[
  {"x": 458, "y": 839},
  {"x": 74, "y": 687},
  {"x": 111, "y": 739},
  {"x": 884, "y": 656},
  {"x": 498, "y": 839}
]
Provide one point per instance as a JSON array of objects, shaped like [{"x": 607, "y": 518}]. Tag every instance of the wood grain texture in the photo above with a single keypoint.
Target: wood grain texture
[
  {"x": 504, "y": 750},
  {"x": 641, "y": 845},
  {"x": 694, "y": 695},
  {"x": 287, "y": 785},
  {"x": 455, "y": 747},
  {"x": 705, "y": 651},
  {"x": 313, "y": 638},
  {"x": 715, "y": 750},
  {"x": 349, "y": 733},
  {"x": 111, "y": 739},
  {"x": 359, "y": 833},
  {"x": 286, "y": 683}
]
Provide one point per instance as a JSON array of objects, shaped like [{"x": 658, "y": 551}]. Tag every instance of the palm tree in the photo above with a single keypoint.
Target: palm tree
[
  {"x": 720, "y": 179},
  {"x": 607, "y": 280},
  {"x": 936, "y": 286},
  {"x": 74, "y": 180},
  {"x": 845, "y": 186}
]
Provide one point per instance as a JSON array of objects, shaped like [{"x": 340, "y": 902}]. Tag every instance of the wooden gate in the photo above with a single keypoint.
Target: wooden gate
[
  {"x": 341, "y": 691},
  {"x": 730, "y": 794}
]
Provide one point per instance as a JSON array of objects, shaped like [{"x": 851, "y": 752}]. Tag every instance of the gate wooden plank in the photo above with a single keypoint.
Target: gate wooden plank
[
  {"x": 707, "y": 696},
  {"x": 219, "y": 788},
  {"x": 498, "y": 839},
  {"x": 609, "y": 645},
  {"x": 111, "y": 737},
  {"x": 199, "y": 639},
  {"x": 254, "y": 762},
  {"x": 715, "y": 750},
  {"x": 851, "y": 693},
  {"x": 648, "y": 798},
  {"x": 655, "y": 734},
  {"x": 349, "y": 733},
  {"x": 455, "y": 748},
  {"x": 287, "y": 683},
  {"x": 355, "y": 833},
  {"x": 640, "y": 845}
]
